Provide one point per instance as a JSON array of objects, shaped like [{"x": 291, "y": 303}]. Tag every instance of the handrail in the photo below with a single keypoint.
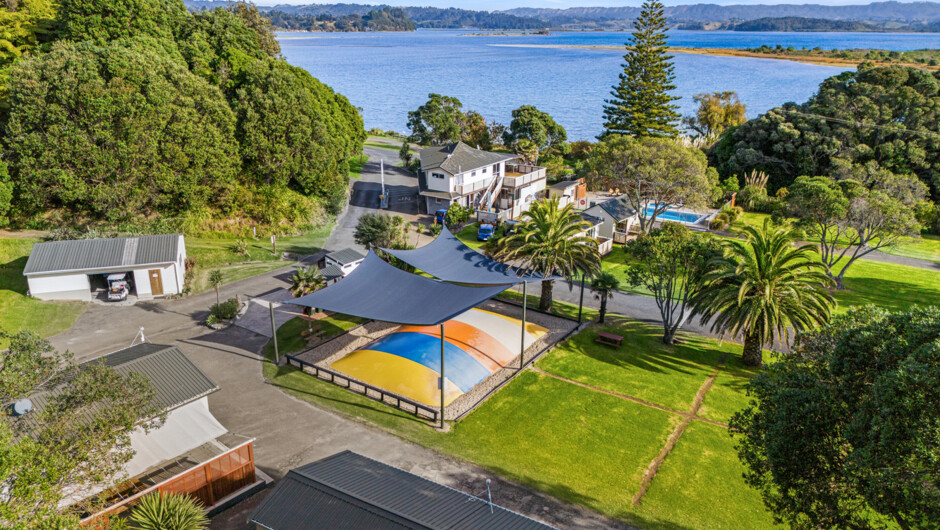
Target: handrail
[{"x": 317, "y": 370}]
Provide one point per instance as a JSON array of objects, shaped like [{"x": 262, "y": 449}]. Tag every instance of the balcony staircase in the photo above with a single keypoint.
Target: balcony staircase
[{"x": 488, "y": 197}]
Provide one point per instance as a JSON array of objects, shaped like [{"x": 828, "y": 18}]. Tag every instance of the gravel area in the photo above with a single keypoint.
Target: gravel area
[{"x": 325, "y": 355}]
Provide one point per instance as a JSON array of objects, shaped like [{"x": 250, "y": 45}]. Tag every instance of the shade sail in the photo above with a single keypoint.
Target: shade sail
[
  {"x": 379, "y": 291},
  {"x": 449, "y": 259}
]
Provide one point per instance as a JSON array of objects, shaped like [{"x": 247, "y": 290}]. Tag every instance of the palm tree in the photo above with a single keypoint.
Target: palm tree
[
  {"x": 305, "y": 281},
  {"x": 551, "y": 241},
  {"x": 168, "y": 511},
  {"x": 762, "y": 287},
  {"x": 604, "y": 285},
  {"x": 216, "y": 280}
]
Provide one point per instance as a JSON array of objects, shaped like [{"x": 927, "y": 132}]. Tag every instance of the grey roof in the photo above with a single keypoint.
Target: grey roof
[
  {"x": 618, "y": 208},
  {"x": 95, "y": 254},
  {"x": 331, "y": 272},
  {"x": 346, "y": 256},
  {"x": 458, "y": 157},
  {"x": 591, "y": 219},
  {"x": 175, "y": 379},
  {"x": 564, "y": 184},
  {"x": 348, "y": 490}
]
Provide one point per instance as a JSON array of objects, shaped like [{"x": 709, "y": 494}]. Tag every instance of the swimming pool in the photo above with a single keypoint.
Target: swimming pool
[{"x": 672, "y": 215}]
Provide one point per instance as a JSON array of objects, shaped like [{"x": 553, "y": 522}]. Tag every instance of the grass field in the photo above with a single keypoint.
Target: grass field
[
  {"x": 18, "y": 311},
  {"x": 355, "y": 166},
  {"x": 584, "y": 445},
  {"x": 219, "y": 253}
]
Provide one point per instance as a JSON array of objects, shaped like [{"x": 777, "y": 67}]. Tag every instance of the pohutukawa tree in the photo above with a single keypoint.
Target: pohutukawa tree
[
  {"x": 850, "y": 220},
  {"x": 640, "y": 105},
  {"x": 654, "y": 174},
  {"x": 671, "y": 262},
  {"x": 762, "y": 287},
  {"x": 551, "y": 241},
  {"x": 843, "y": 432}
]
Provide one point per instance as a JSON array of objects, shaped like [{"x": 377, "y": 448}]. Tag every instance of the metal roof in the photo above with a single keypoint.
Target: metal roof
[
  {"x": 346, "y": 256},
  {"x": 331, "y": 272},
  {"x": 618, "y": 208},
  {"x": 459, "y": 157},
  {"x": 175, "y": 379},
  {"x": 348, "y": 490},
  {"x": 96, "y": 254},
  {"x": 594, "y": 220}
]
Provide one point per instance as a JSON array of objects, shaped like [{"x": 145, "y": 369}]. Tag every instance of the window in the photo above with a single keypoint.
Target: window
[
  {"x": 437, "y": 176},
  {"x": 438, "y": 201},
  {"x": 484, "y": 171},
  {"x": 473, "y": 173}
]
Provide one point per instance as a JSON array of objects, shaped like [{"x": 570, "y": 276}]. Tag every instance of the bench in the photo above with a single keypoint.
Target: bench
[{"x": 609, "y": 339}]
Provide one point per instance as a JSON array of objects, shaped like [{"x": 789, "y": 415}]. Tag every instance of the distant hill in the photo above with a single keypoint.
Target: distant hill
[
  {"x": 423, "y": 17},
  {"x": 801, "y": 24},
  {"x": 907, "y": 13},
  {"x": 385, "y": 19}
]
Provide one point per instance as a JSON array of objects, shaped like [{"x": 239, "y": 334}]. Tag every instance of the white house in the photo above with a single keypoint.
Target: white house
[
  {"x": 617, "y": 218},
  {"x": 77, "y": 270},
  {"x": 485, "y": 181},
  {"x": 337, "y": 265}
]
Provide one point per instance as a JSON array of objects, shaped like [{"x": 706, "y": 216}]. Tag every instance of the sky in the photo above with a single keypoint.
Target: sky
[{"x": 490, "y": 5}]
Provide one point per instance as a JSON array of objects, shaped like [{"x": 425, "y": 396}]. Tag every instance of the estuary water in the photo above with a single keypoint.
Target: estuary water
[{"x": 388, "y": 74}]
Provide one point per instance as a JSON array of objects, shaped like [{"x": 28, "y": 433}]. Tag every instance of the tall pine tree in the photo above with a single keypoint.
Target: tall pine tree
[{"x": 641, "y": 104}]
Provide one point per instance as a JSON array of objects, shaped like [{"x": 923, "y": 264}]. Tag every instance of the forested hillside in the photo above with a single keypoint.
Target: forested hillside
[
  {"x": 131, "y": 111},
  {"x": 385, "y": 19}
]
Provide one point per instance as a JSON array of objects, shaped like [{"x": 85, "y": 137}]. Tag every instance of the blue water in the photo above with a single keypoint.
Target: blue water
[
  {"x": 388, "y": 74},
  {"x": 672, "y": 215}
]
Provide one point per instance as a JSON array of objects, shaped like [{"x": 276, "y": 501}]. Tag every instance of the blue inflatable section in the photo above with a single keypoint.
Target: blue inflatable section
[{"x": 462, "y": 369}]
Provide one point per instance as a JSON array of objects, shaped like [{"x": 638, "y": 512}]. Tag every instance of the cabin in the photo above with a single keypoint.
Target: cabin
[
  {"x": 570, "y": 192},
  {"x": 153, "y": 266},
  {"x": 190, "y": 453},
  {"x": 336, "y": 265},
  {"x": 348, "y": 490},
  {"x": 617, "y": 218},
  {"x": 483, "y": 180}
]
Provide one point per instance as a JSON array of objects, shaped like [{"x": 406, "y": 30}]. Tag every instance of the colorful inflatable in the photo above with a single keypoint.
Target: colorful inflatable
[{"x": 408, "y": 361}]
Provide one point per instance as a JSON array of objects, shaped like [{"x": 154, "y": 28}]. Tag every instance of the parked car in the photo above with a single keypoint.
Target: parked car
[
  {"x": 439, "y": 216},
  {"x": 485, "y": 232},
  {"x": 510, "y": 227},
  {"x": 118, "y": 287}
]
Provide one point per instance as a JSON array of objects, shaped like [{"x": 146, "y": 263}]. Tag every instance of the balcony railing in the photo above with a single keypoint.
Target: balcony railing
[{"x": 518, "y": 175}]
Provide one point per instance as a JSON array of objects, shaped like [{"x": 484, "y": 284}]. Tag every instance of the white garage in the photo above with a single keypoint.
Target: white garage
[{"x": 79, "y": 270}]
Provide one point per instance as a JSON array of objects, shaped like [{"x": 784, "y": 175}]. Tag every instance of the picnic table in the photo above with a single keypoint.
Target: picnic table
[{"x": 609, "y": 339}]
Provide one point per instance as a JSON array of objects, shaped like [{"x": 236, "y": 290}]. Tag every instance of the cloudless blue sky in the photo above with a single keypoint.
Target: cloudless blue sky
[{"x": 507, "y": 4}]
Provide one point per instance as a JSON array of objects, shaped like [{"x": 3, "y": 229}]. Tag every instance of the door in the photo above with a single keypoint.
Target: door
[{"x": 156, "y": 282}]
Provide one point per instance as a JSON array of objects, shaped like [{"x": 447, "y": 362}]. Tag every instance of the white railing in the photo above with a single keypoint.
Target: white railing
[
  {"x": 604, "y": 245},
  {"x": 528, "y": 174}
]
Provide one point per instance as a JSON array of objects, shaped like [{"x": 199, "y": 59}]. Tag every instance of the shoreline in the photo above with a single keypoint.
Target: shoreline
[{"x": 727, "y": 52}]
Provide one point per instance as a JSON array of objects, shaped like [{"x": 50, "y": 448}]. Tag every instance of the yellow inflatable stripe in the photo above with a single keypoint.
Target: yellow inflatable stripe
[
  {"x": 532, "y": 329},
  {"x": 397, "y": 374}
]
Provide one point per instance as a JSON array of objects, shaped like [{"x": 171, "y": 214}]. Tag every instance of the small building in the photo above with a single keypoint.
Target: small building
[
  {"x": 191, "y": 453},
  {"x": 483, "y": 180},
  {"x": 79, "y": 269},
  {"x": 350, "y": 491},
  {"x": 604, "y": 244},
  {"x": 336, "y": 265},
  {"x": 570, "y": 192},
  {"x": 617, "y": 218}
]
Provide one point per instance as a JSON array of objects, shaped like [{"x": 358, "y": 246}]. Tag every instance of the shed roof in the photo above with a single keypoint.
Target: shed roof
[
  {"x": 459, "y": 157},
  {"x": 346, "y": 256},
  {"x": 594, "y": 220},
  {"x": 175, "y": 379},
  {"x": 332, "y": 272},
  {"x": 348, "y": 490},
  {"x": 101, "y": 254}
]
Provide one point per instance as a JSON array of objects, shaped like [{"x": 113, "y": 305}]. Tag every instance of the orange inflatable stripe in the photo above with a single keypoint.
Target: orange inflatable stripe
[{"x": 483, "y": 347}]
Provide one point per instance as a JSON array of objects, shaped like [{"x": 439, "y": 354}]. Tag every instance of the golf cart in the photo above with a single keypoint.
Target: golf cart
[
  {"x": 439, "y": 216},
  {"x": 118, "y": 287}
]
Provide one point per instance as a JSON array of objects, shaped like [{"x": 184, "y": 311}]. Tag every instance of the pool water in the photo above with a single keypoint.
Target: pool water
[{"x": 672, "y": 215}]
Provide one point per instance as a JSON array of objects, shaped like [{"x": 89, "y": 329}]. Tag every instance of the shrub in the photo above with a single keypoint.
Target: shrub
[
  {"x": 162, "y": 511},
  {"x": 240, "y": 247},
  {"x": 226, "y": 310},
  {"x": 211, "y": 320},
  {"x": 434, "y": 229}
]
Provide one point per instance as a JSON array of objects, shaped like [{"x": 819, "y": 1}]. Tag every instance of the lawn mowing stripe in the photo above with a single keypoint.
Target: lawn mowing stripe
[
  {"x": 676, "y": 434},
  {"x": 635, "y": 399}
]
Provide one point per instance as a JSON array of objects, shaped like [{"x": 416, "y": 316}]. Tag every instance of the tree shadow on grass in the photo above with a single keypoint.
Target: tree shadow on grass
[
  {"x": 11, "y": 276},
  {"x": 890, "y": 294}
]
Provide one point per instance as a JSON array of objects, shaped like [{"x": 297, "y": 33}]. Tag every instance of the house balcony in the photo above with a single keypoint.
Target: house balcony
[
  {"x": 519, "y": 175},
  {"x": 466, "y": 189}
]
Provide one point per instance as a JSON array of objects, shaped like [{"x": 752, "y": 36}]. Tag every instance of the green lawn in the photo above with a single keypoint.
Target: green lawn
[
  {"x": 582, "y": 445},
  {"x": 355, "y": 166},
  {"x": 888, "y": 285},
  {"x": 468, "y": 235},
  {"x": 643, "y": 367},
  {"x": 218, "y": 252},
  {"x": 18, "y": 311}
]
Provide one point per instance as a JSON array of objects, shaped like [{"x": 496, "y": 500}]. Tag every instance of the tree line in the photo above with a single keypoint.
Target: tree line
[
  {"x": 129, "y": 109},
  {"x": 385, "y": 19}
]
